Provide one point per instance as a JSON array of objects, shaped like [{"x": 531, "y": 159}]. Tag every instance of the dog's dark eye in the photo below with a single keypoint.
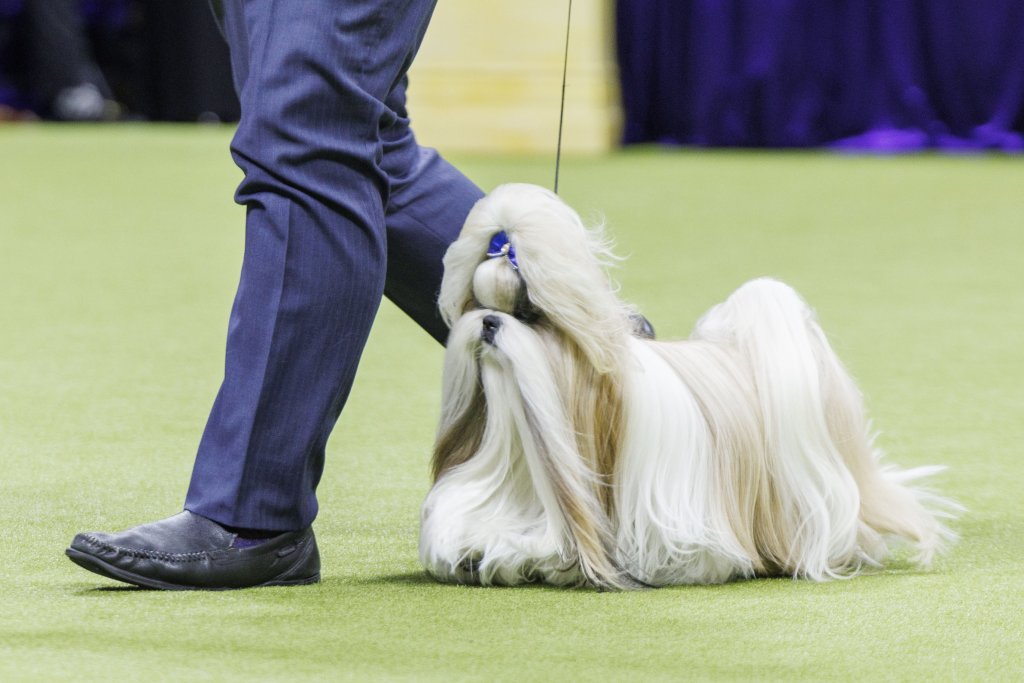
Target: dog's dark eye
[
  {"x": 526, "y": 315},
  {"x": 524, "y": 311}
]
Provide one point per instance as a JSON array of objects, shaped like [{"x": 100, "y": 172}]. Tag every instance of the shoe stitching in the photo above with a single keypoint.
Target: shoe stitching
[
  {"x": 147, "y": 554},
  {"x": 152, "y": 554}
]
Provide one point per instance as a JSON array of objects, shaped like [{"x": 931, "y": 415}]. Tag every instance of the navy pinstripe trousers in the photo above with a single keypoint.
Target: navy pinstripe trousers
[{"x": 342, "y": 206}]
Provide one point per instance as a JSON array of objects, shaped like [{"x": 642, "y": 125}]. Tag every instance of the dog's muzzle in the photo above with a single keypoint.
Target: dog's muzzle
[{"x": 491, "y": 324}]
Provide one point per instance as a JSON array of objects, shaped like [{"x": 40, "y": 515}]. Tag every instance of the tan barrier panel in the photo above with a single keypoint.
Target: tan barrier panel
[{"x": 489, "y": 77}]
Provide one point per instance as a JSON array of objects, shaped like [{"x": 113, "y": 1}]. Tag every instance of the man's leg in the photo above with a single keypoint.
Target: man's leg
[
  {"x": 428, "y": 203},
  {"x": 313, "y": 80},
  {"x": 313, "y": 103}
]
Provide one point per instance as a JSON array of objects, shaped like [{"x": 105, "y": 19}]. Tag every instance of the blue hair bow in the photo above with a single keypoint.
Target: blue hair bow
[{"x": 501, "y": 248}]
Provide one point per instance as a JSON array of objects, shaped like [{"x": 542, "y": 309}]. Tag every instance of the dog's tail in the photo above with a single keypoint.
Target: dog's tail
[{"x": 826, "y": 505}]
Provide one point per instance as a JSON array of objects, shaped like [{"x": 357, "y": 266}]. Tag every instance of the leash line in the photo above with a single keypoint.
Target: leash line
[{"x": 561, "y": 111}]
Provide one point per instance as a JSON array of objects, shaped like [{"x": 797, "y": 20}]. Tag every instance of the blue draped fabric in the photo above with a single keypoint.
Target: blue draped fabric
[{"x": 863, "y": 74}]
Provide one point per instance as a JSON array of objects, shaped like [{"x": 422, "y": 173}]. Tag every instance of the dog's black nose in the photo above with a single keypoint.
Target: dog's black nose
[{"x": 490, "y": 328}]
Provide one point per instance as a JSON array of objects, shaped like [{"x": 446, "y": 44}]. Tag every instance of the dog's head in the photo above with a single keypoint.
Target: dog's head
[
  {"x": 538, "y": 339},
  {"x": 525, "y": 253}
]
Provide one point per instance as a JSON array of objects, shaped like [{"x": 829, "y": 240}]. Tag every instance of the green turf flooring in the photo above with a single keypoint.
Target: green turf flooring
[{"x": 119, "y": 252}]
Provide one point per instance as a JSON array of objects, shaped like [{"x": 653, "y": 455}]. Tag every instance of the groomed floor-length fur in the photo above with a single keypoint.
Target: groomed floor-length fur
[{"x": 571, "y": 450}]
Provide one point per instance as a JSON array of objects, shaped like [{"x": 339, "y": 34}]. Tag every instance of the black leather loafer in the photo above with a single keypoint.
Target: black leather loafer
[{"x": 190, "y": 552}]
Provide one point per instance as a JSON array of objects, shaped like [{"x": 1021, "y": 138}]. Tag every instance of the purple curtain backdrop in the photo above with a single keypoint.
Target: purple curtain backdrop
[
  {"x": 861, "y": 74},
  {"x": 110, "y": 12}
]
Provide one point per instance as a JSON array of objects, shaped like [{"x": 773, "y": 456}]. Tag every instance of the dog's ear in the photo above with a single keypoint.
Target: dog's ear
[{"x": 463, "y": 409}]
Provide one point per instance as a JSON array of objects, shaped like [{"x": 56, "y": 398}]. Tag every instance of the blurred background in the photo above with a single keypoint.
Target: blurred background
[
  {"x": 112, "y": 60},
  {"x": 863, "y": 74}
]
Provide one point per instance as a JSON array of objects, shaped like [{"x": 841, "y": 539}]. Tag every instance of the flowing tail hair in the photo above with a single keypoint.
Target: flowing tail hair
[{"x": 827, "y": 506}]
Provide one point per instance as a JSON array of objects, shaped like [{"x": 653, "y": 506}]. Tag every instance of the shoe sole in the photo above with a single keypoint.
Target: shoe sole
[{"x": 98, "y": 566}]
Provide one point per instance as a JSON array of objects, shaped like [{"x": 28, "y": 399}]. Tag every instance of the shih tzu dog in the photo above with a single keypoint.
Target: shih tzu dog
[{"x": 574, "y": 449}]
